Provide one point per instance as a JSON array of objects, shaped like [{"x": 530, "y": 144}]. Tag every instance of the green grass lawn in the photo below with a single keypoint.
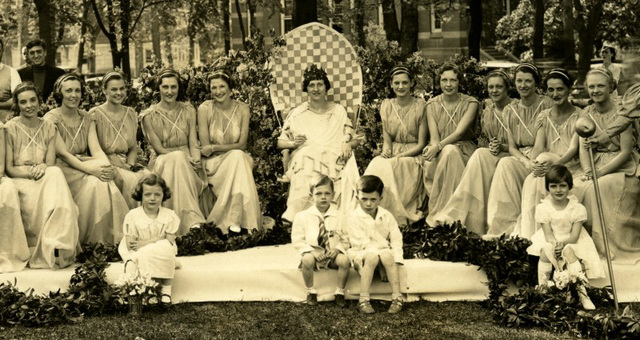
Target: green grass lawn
[{"x": 286, "y": 320}]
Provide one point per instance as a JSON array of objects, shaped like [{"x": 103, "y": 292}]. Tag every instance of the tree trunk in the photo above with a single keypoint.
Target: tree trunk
[
  {"x": 241, "y": 23},
  {"x": 475, "y": 28},
  {"x": 155, "y": 37},
  {"x": 359, "y": 22},
  {"x": 587, "y": 33},
  {"x": 46, "y": 24},
  {"x": 226, "y": 26},
  {"x": 569, "y": 61},
  {"x": 125, "y": 26},
  {"x": 390, "y": 20},
  {"x": 191, "y": 50},
  {"x": 304, "y": 12},
  {"x": 409, "y": 28},
  {"x": 538, "y": 29},
  {"x": 83, "y": 33},
  {"x": 168, "y": 47}
]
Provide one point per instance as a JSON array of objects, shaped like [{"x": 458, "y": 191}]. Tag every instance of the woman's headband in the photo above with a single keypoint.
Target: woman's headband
[
  {"x": 218, "y": 74},
  {"x": 560, "y": 73},
  {"x": 167, "y": 72},
  {"x": 602, "y": 71},
  {"x": 67, "y": 76},
  {"x": 110, "y": 76},
  {"x": 501, "y": 73},
  {"x": 401, "y": 70},
  {"x": 530, "y": 67}
]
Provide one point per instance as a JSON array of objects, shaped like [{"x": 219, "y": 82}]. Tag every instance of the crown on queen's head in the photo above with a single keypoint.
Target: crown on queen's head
[{"x": 313, "y": 72}]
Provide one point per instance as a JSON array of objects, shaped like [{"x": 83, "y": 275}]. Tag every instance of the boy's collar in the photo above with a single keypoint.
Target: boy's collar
[
  {"x": 332, "y": 211},
  {"x": 359, "y": 211}
]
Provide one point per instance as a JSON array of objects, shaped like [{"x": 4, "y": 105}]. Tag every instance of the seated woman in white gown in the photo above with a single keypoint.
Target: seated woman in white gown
[
  {"x": 556, "y": 144},
  {"x": 503, "y": 207},
  {"x": 223, "y": 124},
  {"x": 468, "y": 204},
  {"x": 49, "y": 214},
  {"x": 616, "y": 164},
  {"x": 14, "y": 251},
  {"x": 170, "y": 129},
  {"x": 117, "y": 129},
  {"x": 404, "y": 135},
  {"x": 85, "y": 166},
  {"x": 450, "y": 117},
  {"x": 322, "y": 138}
]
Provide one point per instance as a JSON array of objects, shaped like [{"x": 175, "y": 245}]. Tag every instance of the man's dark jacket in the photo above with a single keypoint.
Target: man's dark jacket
[{"x": 52, "y": 74}]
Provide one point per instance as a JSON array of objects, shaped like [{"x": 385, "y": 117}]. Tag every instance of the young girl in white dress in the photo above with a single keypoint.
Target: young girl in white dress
[
  {"x": 150, "y": 234},
  {"x": 560, "y": 236}
]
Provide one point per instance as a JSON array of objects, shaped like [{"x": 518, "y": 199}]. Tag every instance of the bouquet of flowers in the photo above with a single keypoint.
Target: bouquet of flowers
[
  {"x": 136, "y": 289},
  {"x": 563, "y": 279}
]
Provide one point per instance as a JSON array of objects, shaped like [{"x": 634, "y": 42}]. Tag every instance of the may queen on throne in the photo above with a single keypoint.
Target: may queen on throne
[{"x": 321, "y": 137}]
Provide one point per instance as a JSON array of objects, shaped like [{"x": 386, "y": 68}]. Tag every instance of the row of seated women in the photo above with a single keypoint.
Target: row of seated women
[
  {"x": 71, "y": 173},
  {"x": 493, "y": 190}
]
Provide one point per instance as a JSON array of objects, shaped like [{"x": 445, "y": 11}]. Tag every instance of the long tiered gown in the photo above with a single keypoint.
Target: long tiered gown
[
  {"x": 116, "y": 136},
  {"x": 442, "y": 175},
  {"x": 557, "y": 140},
  {"x": 504, "y": 198},
  {"x": 468, "y": 204},
  {"x": 14, "y": 250},
  {"x": 325, "y": 133},
  {"x": 230, "y": 173},
  {"x": 403, "y": 190},
  {"x": 172, "y": 128},
  {"x": 49, "y": 214},
  {"x": 620, "y": 193},
  {"x": 100, "y": 204}
]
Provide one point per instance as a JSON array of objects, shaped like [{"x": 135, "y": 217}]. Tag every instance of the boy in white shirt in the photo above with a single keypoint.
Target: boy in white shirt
[
  {"x": 318, "y": 237},
  {"x": 375, "y": 239}
]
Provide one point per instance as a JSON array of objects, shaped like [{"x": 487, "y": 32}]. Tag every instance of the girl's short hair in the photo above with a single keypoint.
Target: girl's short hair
[
  {"x": 57, "y": 87},
  {"x": 320, "y": 180},
  {"x": 313, "y": 72},
  {"x": 151, "y": 179},
  {"x": 24, "y": 87},
  {"x": 557, "y": 174},
  {"x": 219, "y": 75},
  {"x": 528, "y": 68},
  {"x": 369, "y": 184}
]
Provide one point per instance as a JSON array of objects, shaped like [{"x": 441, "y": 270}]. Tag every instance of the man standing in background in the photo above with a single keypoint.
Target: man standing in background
[{"x": 41, "y": 74}]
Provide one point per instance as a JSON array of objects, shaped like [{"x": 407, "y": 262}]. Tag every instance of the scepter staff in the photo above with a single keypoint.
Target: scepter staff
[{"x": 585, "y": 128}]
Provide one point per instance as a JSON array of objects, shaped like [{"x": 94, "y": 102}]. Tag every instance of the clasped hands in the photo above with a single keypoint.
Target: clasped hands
[
  {"x": 494, "y": 146},
  {"x": 430, "y": 152},
  {"x": 328, "y": 255},
  {"x": 540, "y": 168},
  {"x": 37, "y": 171},
  {"x": 137, "y": 244},
  {"x": 5, "y": 95},
  {"x": 105, "y": 172},
  {"x": 557, "y": 249}
]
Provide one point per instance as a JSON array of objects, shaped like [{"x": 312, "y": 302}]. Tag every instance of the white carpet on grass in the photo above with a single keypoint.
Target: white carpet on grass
[{"x": 271, "y": 274}]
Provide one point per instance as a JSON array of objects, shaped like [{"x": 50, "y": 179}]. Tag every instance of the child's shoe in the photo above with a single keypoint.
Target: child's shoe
[
  {"x": 165, "y": 292},
  {"x": 340, "y": 301},
  {"x": 586, "y": 302},
  {"x": 396, "y": 306},
  {"x": 365, "y": 307},
  {"x": 312, "y": 299}
]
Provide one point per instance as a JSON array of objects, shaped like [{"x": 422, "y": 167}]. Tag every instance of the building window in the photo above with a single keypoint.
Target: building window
[
  {"x": 436, "y": 20},
  {"x": 148, "y": 56},
  {"x": 286, "y": 21}
]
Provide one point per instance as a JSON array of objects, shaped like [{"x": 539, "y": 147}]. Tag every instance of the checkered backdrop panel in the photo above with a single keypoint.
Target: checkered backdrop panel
[{"x": 316, "y": 43}]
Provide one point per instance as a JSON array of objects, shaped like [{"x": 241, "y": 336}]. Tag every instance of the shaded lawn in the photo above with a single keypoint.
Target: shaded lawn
[{"x": 286, "y": 320}]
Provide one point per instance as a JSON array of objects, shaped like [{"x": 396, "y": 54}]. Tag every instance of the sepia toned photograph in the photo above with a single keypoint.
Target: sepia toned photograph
[{"x": 319, "y": 169}]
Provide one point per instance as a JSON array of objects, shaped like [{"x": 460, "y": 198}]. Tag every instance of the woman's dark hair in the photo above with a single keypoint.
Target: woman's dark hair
[
  {"x": 24, "y": 87},
  {"x": 528, "y": 68},
  {"x": 171, "y": 73},
  {"x": 220, "y": 75},
  {"x": 559, "y": 73},
  {"x": 612, "y": 50},
  {"x": 557, "y": 174},
  {"x": 151, "y": 179},
  {"x": 57, "y": 87},
  {"x": 313, "y": 72},
  {"x": 450, "y": 67}
]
